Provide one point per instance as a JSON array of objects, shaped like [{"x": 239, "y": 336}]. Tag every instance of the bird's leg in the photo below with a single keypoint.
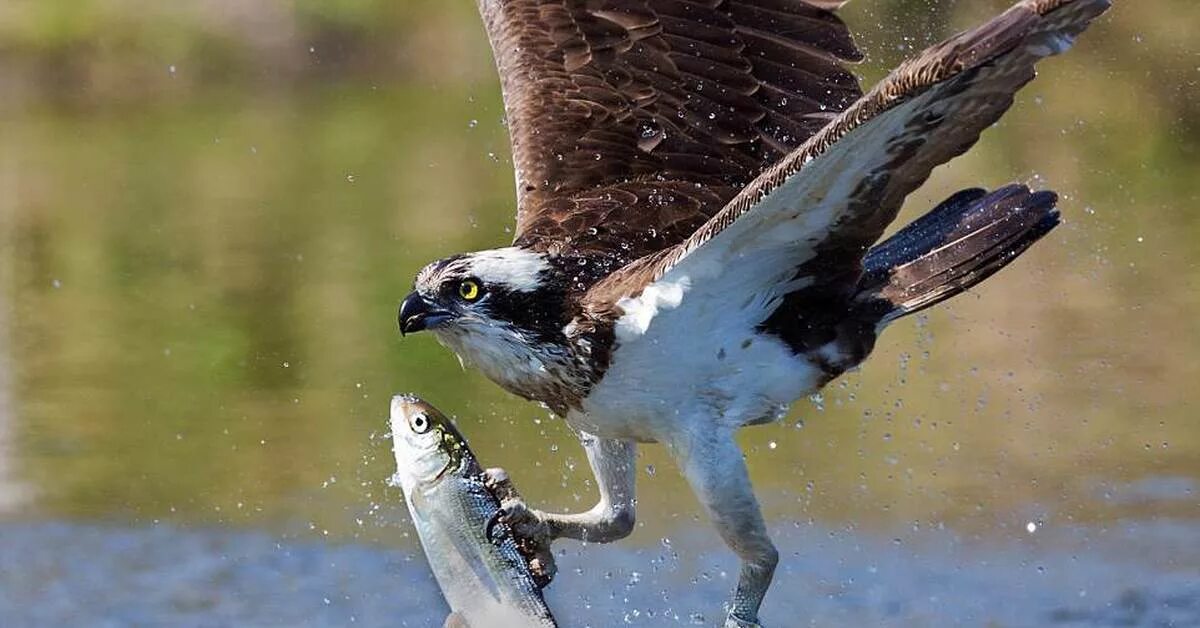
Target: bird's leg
[
  {"x": 713, "y": 465},
  {"x": 613, "y": 463}
]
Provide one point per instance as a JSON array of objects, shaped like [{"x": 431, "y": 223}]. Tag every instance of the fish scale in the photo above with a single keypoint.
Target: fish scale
[{"x": 475, "y": 558}]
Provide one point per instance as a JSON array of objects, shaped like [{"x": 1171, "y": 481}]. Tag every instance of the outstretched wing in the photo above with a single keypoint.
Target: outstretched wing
[
  {"x": 808, "y": 220},
  {"x": 635, "y": 121}
]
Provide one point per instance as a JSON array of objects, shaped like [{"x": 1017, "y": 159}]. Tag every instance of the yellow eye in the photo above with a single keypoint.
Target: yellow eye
[{"x": 469, "y": 290}]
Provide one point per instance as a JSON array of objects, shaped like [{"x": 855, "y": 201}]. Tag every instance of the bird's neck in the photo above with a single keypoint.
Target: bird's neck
[{"x": 554, "y": 374}]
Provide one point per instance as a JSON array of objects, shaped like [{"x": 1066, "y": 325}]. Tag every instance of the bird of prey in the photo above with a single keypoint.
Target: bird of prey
[{"x": 701, "y": 191}]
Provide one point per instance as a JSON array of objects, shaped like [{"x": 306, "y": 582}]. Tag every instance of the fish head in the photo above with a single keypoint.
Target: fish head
[{"x": 426, "y": 444}]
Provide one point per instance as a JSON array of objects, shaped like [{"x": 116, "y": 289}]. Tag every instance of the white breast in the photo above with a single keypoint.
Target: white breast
[
  {"x": 689, "y": 358},
  {"x": 517, "y": 364}
]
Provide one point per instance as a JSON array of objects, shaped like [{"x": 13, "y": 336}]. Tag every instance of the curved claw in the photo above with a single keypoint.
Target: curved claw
[
  {"x": 525, "y": 522},
  {"x": 528, "y": 527},
  {"x": 543, "y": 567},
  {"x": 533, "y": 537},
  {"x": 499, "y": 484},
  {"x": 495, "y": 530}
]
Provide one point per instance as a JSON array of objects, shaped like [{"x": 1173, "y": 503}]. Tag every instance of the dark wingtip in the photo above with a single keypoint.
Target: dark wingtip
[
  {"x": 1046, "y": 199},
  {"x": 953, "y": 248}
]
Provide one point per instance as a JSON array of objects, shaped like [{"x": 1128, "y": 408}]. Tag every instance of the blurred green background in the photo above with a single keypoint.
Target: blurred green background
[{"x": 209, "y": 212}]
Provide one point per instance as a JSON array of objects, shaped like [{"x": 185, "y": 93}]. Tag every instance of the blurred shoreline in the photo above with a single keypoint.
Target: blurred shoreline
[
  {"x": 104, "y": 53},
  {"x": 81, "y": 55},
  {"x": 12, "y": 493}
]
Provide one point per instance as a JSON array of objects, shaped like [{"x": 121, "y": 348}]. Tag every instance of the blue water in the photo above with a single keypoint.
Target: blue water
[{"x": 54, "y": 574}]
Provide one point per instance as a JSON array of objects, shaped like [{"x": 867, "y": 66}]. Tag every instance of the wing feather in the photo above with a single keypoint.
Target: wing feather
[
  {"x": 812, "y": 216},
  {"x": 640, "y": 98}
]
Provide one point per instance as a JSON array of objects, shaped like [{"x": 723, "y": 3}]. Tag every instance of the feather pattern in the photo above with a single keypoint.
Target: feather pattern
[
  {"x": 634, "y": 121},
  {"x": 827, "y": 202}
]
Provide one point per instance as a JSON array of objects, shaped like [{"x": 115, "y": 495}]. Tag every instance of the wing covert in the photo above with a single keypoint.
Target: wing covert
[
  {"x": 813, "y": 215},
  {"x": 619, "y": 108}
]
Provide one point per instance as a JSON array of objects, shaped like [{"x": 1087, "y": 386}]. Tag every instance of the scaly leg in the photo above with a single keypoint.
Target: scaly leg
[
  {"x": 613, "y": 463},
  {"x": 713, "y": 465}
]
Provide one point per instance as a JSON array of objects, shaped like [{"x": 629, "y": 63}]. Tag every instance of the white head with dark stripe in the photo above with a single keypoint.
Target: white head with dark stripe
[{"x": 501, "y": 310}]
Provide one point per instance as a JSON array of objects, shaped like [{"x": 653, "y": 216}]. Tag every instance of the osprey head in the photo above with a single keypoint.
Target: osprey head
[
  {"x": 508, "y": 293},
  {"x": 506, "y": 312}
]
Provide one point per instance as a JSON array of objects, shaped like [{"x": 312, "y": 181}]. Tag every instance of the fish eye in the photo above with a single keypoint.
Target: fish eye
[
  {"x": 469, "y": 290},
  {"x": 420, "y": 423}
]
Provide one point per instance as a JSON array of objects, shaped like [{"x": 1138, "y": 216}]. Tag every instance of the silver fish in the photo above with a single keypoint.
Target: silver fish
[{"x": 485, "y": 576}]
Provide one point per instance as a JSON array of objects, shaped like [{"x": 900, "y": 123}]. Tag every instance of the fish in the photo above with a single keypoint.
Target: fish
[{"x": 487, "y": 575}]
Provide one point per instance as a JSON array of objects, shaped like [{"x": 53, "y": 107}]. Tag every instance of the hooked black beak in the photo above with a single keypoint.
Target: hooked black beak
[{"x": 417, "y": 314}]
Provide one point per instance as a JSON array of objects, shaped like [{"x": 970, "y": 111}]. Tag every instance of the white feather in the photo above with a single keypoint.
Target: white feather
[
  {"x": 641, "y": 310},
  {"x": 512, "y": 267},
  {"x": 514, "y": 361},
  {"x": 688, "y": 346},
  {"x": 689, "y": 357}
]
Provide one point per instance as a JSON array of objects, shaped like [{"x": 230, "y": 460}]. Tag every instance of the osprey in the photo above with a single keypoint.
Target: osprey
[{"x": 701, "y": 191}]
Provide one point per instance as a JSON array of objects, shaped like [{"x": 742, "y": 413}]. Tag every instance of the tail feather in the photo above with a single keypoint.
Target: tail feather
[{"x": 963, "y": 241}]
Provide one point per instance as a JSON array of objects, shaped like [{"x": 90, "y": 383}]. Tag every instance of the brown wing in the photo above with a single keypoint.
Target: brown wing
[
  {"x": 634, "y": 121},
  {"x": 815, "y": 213},
  {"x": 841, "y": 189}
]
